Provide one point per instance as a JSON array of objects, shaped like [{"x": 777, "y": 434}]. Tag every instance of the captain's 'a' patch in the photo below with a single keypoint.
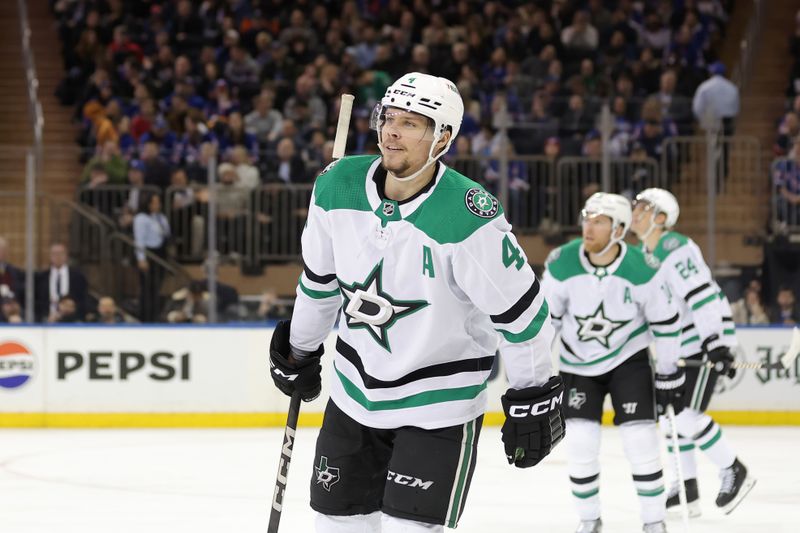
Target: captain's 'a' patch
[{"x": 481, "y": 203}]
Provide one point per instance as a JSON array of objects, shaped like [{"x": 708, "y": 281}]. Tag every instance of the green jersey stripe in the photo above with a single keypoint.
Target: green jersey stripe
[
  {"x": 650, "y": 493},
  {"x": 584, "y": 495},
  {"x": 533, "y": 328},
  {"x": 704, "y": 301},
  {"x": 419, "y": 399},
  {"x": 317, "y": 295},
  {"x": 462, "y": 476},
  {"x": 710, "y": 443},
  {"x": 641, "y": 329},
  {"x": 690, "y": 340},
  {"x": 683, "y": 448},
  {"x": 670, "y": 334},
  {"x": 729, "y": 332}
]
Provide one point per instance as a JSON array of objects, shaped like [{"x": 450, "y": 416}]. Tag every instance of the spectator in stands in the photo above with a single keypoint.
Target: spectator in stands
[
  {"x": 189, "y": 304},
  {"x": 233, "y": 134},
  {"x": 674, "y": 106},
  {"x": 65, "y": 312},
  {"x": 653, "y": 34},
  {"x": 156, "y": 169},
  {"x": 185, "y": 215},
  {"x": 304, "y": 97},
  {"x": 10, "y": 311},
  {"x": 785, "y": 310},
  {"x": 151, "y": 233},
  {"x": 195, "y": 134},
  {"x": 786, "y": 183},
  {"x": 247, "y": 172},
  {"x": 288, "y": 167},
  {"x": 110, "y": 160},
  {"x": 58, "y": 281},
  {"x": 314, "y": 155},
  {"x": 107, "y": 312},
  {"x": 11, "y": 278},
  {"x": 749, "y": 309},
  {"x": 132, "y": 202},
  {"x": 232, "y": 206},
  {"x": 263, "y": 121},
  {"x": 580, "y": 35},
  {"x": 270, "y": 307},
  {"x": 788, "y": 133},
  {"x": 242, "y": 73},
  {"x": 717, "y": 100},
  {"x": 187, "y": 29}
]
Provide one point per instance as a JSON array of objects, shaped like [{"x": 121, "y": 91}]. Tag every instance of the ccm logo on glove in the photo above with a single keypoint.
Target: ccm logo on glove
[{"x": 536, "y": 409}]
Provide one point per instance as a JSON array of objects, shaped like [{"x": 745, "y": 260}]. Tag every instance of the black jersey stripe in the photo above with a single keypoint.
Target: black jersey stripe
[
  {"x": 569, "y": 349},
  {"x": 696, "y": 291},
  {"x": 584, "y": 480},
  {"x": 478, "y": 364},
  {"x": 666, "y": 322},
  {"x": 316, "y": 278},
  {"x": 706, "y": 431},
  {"x": 655, "y": 476},
  {"x": 516, "y": 310},
  {"x": 727, "y": 319},
  {"x": 690, "y": 327}
]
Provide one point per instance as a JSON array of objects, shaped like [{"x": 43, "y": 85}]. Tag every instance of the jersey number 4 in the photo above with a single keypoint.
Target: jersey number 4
[
  {"x": 686, "y": 269},
  {"x": 511, "y": 254}
]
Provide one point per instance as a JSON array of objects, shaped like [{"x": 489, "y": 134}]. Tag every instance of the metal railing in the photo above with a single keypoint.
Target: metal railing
[
  {"x": 748, "y": 48},
  {"x": 785, "y": 189}
]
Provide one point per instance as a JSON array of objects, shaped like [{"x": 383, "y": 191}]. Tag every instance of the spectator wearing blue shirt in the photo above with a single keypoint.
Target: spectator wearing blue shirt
[{"x": 786, "y": 181}]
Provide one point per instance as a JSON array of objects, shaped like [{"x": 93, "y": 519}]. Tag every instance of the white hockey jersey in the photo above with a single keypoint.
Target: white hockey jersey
[
  {"x": 608, "y": 314},
  {"x": 428, "y": 290},
  {"x": 705, "y": 310}
]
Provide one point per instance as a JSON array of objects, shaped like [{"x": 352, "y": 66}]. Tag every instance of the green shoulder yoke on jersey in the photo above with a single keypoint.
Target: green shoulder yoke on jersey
[
  {"x": 636, "y": 267},
  {"x": 456, "y": 209},
  {"x": 342, "y": 184},
  {"x": 668, "y": 243},
  {"x": 564, "y": 262}
]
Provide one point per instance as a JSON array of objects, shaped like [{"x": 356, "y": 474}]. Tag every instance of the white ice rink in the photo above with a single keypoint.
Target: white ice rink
[{"x": 195, "y": 481}]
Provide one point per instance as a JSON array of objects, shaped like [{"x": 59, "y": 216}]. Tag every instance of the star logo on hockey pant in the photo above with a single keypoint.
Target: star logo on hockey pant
[
  {"x": 576, "y": 399},
  {"x": 598, "y": 326},
  {"x": 326, "y": 475},
  {"x": 367, "y": 306}
]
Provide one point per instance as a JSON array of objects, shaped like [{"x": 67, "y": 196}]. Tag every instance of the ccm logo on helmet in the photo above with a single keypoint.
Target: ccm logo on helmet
[
  {"x": 401, "y": 92},
  {"x": 536, "y": 409}
]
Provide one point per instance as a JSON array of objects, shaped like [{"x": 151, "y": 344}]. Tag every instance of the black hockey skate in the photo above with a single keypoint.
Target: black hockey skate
[
  {"x": 736, "y": 483},
  {"x": 692, "y": 498}
]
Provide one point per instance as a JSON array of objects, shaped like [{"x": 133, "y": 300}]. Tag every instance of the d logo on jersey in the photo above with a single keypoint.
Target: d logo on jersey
[
  {"x": 367, "y": 306},
  {"x": 598, "y": 326}
]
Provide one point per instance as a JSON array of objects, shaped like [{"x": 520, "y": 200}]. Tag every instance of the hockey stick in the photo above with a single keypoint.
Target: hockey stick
[
  {"x": 339, "y": 144},
  {"x": 340, "y": 141},
  {"x": 785, "y": 362},
  {"x": 676, "y": 450},
  {"x": 283, "y": 465}
]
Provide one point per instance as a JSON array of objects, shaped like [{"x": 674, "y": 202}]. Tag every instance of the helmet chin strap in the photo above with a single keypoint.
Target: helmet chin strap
[
  {"x": 651, "y": 228},
  {"x": 613, "y": 240}
]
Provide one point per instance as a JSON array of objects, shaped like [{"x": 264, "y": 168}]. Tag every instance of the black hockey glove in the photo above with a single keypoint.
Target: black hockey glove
[
  {"x": 670, "y": 389},
  {"x": 722, "y": 359},
  {"x": 291, "y": 373},
  {"x": 534, "y": 422}
]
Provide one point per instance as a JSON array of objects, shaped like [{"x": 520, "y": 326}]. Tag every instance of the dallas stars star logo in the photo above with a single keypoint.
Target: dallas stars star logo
[
  {"x": 326, "y": 475},
  {"x": 367, "y": 306},
  {"x": 598, "y": 326}
]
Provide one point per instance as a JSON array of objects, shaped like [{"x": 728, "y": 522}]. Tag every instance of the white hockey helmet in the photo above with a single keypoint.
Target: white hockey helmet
[
  {"x": 614, "y": 206},
  {"x": 662, "y": 201},
  {"x": 431, "y": 96}
]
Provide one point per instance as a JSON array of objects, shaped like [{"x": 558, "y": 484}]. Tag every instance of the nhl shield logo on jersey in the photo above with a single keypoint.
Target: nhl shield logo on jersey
[
  {"x": 670, "y": 243},
  {"x": 388, "y": 208},
  {"x": 652, "y": 261},
  {"x": 481, "y": 203},
  {"x": 367, "y": 306},
  {"x": 598, "y": 326},
  {"x": 327, "y": 476}
]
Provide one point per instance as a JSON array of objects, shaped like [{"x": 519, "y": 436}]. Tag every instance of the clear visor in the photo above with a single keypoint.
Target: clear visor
[
  {"x": 591, "y": 214},
  {"x": 393, "y": 121}
]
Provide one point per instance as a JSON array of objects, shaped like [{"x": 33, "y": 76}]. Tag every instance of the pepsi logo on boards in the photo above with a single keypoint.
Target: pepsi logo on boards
[{"x": 16, "y": 365}]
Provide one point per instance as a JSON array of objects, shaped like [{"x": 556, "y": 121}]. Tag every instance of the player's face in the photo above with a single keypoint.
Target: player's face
[
  {"x": 642, "y": 215},
  {"x": 406, "y": 139},
  {"x": 596, "y": 232}
]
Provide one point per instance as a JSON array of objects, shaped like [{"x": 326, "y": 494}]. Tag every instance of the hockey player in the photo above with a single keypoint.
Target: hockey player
[
  {"x": 708, "y": 333},
  {"x": 609, "y": 305},
  {"x": 430, "y": 281}
]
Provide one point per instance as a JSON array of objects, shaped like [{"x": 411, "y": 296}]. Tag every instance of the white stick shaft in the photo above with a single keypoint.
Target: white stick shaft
[
  {"x": 340, "y": 141},
  {"x": 794, "y": 348},
  {"x": 676, "y": 449}
]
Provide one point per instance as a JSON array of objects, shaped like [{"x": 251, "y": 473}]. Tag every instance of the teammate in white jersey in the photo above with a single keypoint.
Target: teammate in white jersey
[
  {"x": 708, "y": 333},
  {"x": 430, "y": 283},
  {"x": 610, "y": 304}
]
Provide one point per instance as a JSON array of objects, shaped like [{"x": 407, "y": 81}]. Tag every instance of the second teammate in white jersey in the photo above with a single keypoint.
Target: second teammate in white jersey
[
  {"x": 708, "y": 333},
  {"x": 609, "y": 305}
]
